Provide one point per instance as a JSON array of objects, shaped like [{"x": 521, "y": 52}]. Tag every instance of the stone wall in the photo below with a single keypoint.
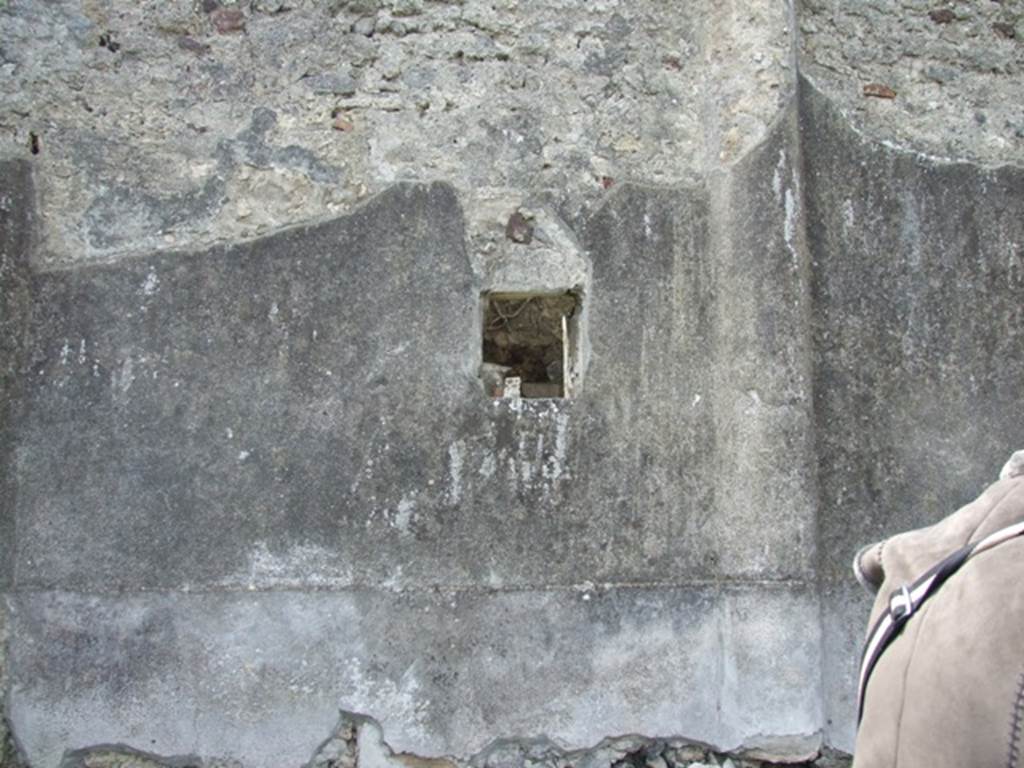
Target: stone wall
[
  {"x": 242, "y": 119},
  {"x": 953, "y": 70},
  {"x": 278, "y": 456},
  {"x": 252, "y": 476}
]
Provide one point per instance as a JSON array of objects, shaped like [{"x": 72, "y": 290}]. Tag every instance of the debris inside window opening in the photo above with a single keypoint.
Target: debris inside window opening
[{"x": 528, "y": 344}]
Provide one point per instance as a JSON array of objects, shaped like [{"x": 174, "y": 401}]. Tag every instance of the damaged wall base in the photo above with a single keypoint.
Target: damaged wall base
[{"x": 358, "y": 742}]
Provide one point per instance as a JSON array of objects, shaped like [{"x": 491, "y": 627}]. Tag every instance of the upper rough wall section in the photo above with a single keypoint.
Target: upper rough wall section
[
  {"x": 172, "y": 125},
  {"x": 953, "y": 70}
]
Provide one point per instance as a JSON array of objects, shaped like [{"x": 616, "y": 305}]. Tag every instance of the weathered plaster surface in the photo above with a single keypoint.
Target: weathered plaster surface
[
  {"x": 918, "y": 287},
  {"x": 306, "y": 411},
  {"x": 258, "y": 678},
  {"x": 251, "y": 481},
  {"x": 301, "y": 417},
  {"x": 15, "y": 233}
]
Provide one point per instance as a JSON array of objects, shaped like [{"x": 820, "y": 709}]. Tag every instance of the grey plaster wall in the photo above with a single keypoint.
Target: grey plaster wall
[
  {"x": 258, "y": 678},
  {"x": 247, "y": 484},
  {"x": 15, "y": 243},
  {"x": 15, "y": 229},
  {"x": 766, "y": 500},
  {"x": 306, "y": 411},
  {"x": 303, "y": 413},
  {"x": 918, "y": 291},
  {"x": 261, "y": 414}
]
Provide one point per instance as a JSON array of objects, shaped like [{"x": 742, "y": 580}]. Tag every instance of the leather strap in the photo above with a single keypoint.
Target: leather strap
[{"x": 905, "y": 601}]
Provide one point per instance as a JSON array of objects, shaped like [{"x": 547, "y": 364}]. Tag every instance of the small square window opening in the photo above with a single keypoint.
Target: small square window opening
[{"x": 529, "y": 345}]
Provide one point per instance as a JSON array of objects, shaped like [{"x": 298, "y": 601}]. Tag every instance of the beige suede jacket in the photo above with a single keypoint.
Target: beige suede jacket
[{"x": 948, "y": 691}]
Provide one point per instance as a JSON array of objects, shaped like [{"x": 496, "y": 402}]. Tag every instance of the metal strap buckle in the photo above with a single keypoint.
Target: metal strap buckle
[{"x": 901, "y": 606}]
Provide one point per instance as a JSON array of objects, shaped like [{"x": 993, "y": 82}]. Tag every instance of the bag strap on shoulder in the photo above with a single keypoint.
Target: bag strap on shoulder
[{"x": 905, "y": 601}]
